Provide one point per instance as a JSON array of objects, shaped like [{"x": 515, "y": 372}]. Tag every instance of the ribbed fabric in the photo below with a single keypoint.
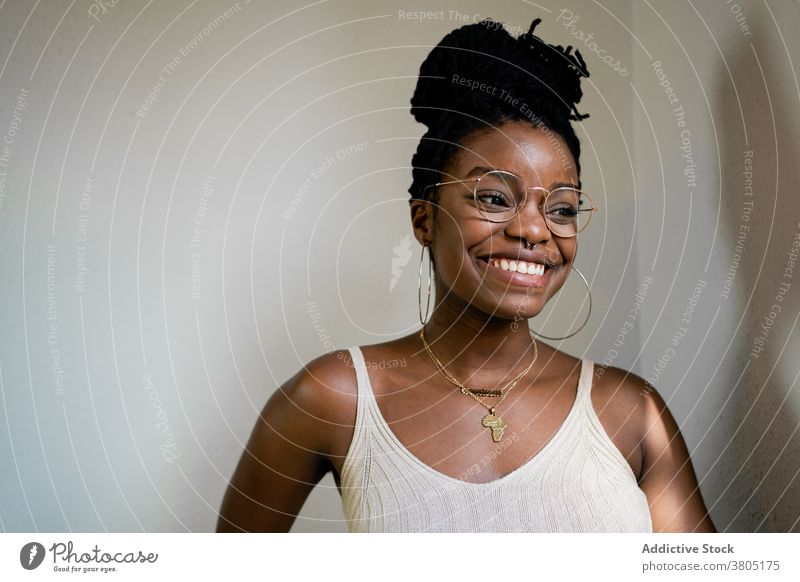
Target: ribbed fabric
[{"x": 579, "y": 481}]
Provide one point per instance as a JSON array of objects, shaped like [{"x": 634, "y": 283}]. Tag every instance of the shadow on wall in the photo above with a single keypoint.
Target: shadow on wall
[{"x": 759, "y": 489}]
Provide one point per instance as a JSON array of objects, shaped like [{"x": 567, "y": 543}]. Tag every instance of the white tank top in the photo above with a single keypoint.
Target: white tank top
[{"x": 578, "y": 482}]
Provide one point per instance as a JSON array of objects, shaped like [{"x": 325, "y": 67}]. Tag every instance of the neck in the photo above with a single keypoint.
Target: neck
[{"x": 478, "y": 348}]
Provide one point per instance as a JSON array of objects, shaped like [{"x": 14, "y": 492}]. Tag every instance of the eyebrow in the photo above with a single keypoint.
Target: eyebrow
[
  {"x": 480, "y": 170},
  {"x": 565, "y": 185}
]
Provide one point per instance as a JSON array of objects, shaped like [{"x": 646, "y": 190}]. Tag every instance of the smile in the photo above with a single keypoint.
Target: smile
[
  {"x": 513, "y": 272},
  {"x": 518, "y": 266}
]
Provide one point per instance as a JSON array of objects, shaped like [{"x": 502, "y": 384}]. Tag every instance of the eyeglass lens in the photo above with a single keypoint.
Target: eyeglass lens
[{"x": 500, "y": 195}]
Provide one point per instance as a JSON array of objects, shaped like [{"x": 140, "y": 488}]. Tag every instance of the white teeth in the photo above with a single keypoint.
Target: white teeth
[
  {"x": 535, "y": 269},
  {"x": 518, "y": 266}
]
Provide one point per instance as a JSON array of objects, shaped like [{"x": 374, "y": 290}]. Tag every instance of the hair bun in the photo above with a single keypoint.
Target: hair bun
[
  {"x": 478, "y": 76},
  {"x": 475, "y": 66},
  {"x": 467, "y": 53}
]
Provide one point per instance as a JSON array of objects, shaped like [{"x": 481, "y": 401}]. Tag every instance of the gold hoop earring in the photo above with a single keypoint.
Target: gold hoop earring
[
  {"x": 419, "y": 284},
  {"x": 589, "y": 291}
]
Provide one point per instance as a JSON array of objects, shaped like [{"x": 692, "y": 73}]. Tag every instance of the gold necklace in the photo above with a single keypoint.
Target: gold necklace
[
  {"x": 491, "y": 420},
  {"x": 464, "y": 389}
]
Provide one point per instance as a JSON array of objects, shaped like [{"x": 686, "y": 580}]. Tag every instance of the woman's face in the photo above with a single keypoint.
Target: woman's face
[{"x": 464, "y": 244}]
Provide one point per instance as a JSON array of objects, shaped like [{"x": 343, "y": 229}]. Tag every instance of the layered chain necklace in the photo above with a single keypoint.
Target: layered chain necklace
[{"x": 491, "y": 420}]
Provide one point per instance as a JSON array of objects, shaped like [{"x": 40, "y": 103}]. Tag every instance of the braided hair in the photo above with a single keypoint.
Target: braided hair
[{"x": 479, "y": 76}]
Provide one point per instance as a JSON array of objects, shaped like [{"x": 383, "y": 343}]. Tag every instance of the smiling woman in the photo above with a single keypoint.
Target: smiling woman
[{"x": 483, "y": 428}]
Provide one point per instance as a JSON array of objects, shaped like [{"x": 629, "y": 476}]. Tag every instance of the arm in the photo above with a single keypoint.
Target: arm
[
  {"x": 667, "y": 476},
  {"x": 284, "y": 459}
]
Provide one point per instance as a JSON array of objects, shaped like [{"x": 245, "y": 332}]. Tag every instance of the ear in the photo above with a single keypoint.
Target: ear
[{"x": 422, "y": 221}]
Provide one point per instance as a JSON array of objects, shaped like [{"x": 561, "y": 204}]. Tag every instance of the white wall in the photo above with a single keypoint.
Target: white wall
[
  {"x": 138, "y": 418},
  {"x": 738, "y": 406}
]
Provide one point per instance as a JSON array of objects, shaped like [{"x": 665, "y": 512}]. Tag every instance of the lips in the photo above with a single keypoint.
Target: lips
[
  {"x": 522, "y": 255},
  {"x": 537, "y": 274},
  {"x": 518, "y": 266}
]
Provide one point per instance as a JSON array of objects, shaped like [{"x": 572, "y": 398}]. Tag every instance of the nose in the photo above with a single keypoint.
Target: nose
[{"x": 529, "y": 223}]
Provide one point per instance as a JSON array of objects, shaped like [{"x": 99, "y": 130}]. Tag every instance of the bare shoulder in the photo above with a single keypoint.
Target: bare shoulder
[
  {"x": 665, "y": 474},
  {"x": 623, "y": 402},
  {"x": 635, "y": 397},
  {"x": 325, "y": 389},
  {"x": 288, "y": 451},
  {"x": 621, "y": 389}
]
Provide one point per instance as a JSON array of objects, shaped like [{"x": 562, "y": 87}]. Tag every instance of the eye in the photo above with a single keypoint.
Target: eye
[
  {"x": 493, "y": 198},
  {"x": 563, "y": 205},
  {"x": 562, "y": 214},
  {"x": 564, "y": 211}
]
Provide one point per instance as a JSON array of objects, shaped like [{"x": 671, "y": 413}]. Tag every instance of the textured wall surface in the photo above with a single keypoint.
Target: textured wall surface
[{"x": 719, "y": 228}]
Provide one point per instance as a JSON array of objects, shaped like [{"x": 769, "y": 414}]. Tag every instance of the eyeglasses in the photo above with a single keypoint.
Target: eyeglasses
[{"x": 499, "y": 196}]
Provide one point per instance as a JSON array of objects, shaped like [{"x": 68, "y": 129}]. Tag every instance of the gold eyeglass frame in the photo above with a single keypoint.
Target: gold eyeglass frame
[{"x": 591, "y": 209}]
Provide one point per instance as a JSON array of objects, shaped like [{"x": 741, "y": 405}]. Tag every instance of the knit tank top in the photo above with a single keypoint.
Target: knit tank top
[{"x": 578, "y": 482}]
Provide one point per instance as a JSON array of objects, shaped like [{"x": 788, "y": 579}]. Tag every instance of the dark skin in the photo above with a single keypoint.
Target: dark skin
[{"x": 306, "y": 427}]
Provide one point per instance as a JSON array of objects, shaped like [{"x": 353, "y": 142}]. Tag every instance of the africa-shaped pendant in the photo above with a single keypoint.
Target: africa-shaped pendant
[{"x": 495, "y": 423}]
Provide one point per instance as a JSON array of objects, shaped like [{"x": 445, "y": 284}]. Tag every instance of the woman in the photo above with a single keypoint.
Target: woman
[{"x": 485, "y": 428}]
